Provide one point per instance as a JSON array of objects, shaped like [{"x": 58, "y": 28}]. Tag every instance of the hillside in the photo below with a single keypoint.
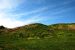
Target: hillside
[
  {"x": 38, "y": 36},
  {"x": 70, "y": 26}
]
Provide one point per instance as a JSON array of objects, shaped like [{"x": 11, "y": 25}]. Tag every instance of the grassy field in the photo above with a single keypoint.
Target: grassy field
[
  {"x": 60, "y": 39},
  {"x": 38, "y": 44}
]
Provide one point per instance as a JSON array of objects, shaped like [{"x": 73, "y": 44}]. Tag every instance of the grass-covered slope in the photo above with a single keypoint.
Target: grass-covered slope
[{"x": 38, "y": 37}]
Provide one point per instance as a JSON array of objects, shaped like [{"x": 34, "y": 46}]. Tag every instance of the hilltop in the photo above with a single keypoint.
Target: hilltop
[{"x": 38, "y": 36}]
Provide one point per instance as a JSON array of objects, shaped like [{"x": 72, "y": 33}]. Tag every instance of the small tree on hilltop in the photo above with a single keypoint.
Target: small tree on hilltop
[{"x": 2, "y": 27}]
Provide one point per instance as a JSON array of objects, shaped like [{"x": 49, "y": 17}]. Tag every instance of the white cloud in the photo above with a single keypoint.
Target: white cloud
[
  {"x": 31, "y": 12},
  {"x": 5, "y": 19},
  {"x": 62, "y": 10},
  {"x": 11, "y": 23},
  {"x": 34, "y": 19},
  {"x": 10, "y": 20},
  {"x": 8, "y": 4}
]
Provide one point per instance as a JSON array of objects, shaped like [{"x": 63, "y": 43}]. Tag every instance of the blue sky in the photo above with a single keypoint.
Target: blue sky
[{"x": 15, "y": 13}]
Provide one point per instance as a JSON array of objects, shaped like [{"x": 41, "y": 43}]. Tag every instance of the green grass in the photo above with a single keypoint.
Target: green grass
[
  {"x": 34, "y": 37},
  {"x": 53, "y": 43},
  {"x": 40, "y": 44}
]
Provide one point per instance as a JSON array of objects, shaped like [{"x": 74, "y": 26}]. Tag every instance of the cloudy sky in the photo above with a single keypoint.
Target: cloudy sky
[{"x": 14, "y": 13}]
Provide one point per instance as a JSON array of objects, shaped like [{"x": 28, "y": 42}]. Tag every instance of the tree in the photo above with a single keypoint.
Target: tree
[{"x": 2, "y": 27}]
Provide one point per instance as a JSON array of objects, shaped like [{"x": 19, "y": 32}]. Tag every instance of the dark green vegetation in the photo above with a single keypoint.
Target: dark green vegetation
[{"x": 38, "y": 37}]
